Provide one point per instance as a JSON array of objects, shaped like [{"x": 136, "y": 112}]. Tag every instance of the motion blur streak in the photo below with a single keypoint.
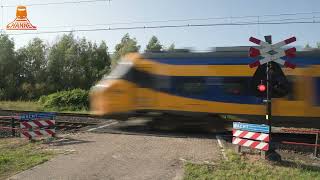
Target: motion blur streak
[{"x": 212, "y": 82}]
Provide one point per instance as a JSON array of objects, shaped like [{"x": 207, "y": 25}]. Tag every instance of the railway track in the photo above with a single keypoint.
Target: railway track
[
  {"x": 66, "y": 122},
  {"x": 6, "y": 112},
  {"x": 60, "y": 125}
]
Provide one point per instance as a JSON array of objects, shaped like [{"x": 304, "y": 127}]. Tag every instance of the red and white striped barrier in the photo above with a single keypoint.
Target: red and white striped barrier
[
  {"x": 37, "y": 133},
  {"x": 251, "y": 135},
  {"x": 250, "y": 143},
  {"x": 37, "y": 123}
]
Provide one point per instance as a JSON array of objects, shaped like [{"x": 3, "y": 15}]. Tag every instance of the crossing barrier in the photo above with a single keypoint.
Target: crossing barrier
[
  {"x": 251, "y": 135},
  {"x": 37, "y": 124},
  {"x": 250, "y": 143},
  {"x": 30, "y": 125}
]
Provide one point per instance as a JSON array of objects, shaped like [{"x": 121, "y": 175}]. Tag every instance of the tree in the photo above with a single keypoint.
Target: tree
[
  {"x": 74, "y": 63},
  {"x": 126, "y": 45},
  {"x": 171, "y": 47},
  {"x": 37, "y": 69},
  {"x": 154, "y": 45},
  {"x": 97, "y": 65},
  {"x": 62, "y": 64},
  {"x": 33, "y": 61},
  {"x": 10, "y": 69},
  {"x": 307, "y": 46}
]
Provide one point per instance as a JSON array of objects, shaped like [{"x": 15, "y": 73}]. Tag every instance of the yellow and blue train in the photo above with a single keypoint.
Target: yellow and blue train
[{"x": 209, "y": 83}]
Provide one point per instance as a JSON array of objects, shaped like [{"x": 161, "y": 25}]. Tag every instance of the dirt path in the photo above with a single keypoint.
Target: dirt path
[{"x": 113, "y": 156}]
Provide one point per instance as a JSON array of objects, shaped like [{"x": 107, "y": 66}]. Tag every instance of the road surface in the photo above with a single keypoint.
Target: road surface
[{"x": 114, "y": 156}]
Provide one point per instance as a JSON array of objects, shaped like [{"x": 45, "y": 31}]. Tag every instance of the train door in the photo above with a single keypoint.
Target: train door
[
  {"x": 313, "y": 91},
  {"x": 316, "y": 94},
  {"x": 145, "y": 96},
  {"x": 295, "y": 103}
]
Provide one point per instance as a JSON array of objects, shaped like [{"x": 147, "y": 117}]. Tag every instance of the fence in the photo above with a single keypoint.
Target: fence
[
  {"x": 9, "y": 126},
  {"x": 315, "y": 132}
]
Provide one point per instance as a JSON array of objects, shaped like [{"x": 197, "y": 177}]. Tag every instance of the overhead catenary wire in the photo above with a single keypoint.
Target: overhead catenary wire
[
  {"x": 259, "y": 17},
  {"x": 259, "y": 21},
  {"x": 159, "y": 21},
  {"x": 168, "y": 26},
  {"x": 60, "y": 3}
]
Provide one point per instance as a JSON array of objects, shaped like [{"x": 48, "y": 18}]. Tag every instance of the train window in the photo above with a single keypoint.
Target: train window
[
  {"x": 143, "y": 78},
  {"x": 163, "y": 82},
  {"x": 191, "y": 86},
  {"x": 120, "y": 70},
  {"x": 236, "y": 86}
]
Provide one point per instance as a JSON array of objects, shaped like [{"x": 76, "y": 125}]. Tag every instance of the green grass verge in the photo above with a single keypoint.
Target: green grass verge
[
  {"x": 240, "y": 168},
  {"x": 21, "y": 105},
  {"x": 17, "y": 155},
  {"x": 32, "y": 106}
]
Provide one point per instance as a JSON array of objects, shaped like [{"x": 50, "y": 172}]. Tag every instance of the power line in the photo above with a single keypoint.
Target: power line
[
  {"x": 291, "y": 19},
  {"x": 59, "y": 3},
  {"x": 280, "y": 20},
  {"x": 160, "y": 21},
  {"x": 169, "y": 26},
  {"x": 190, "y": 19}
]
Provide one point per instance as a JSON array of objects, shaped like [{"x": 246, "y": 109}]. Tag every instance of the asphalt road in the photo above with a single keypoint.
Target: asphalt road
[{"x": 118, "y": 156}]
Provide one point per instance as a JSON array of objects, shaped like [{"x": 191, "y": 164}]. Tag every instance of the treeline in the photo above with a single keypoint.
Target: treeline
[{"x": 39, "y": 69}]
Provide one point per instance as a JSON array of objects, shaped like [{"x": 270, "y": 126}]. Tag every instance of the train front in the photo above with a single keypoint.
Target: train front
[{"x": 113, "y": 94}]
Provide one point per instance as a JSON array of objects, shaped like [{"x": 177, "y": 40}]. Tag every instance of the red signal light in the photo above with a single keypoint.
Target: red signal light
[{"x": 262, "y": 87}]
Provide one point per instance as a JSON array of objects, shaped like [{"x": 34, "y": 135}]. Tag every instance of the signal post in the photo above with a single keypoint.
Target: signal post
[{"x": 269, "y": 81}]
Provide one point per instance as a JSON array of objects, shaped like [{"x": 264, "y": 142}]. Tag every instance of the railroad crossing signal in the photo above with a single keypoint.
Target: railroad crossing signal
[
  {"x": 272, "y": 52},
  {"x": 269, "y": 82},
  {"x": 269, "y": 65}
]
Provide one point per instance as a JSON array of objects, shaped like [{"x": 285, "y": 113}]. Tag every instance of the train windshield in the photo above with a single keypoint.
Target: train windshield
[{"x": 119, "y": 71}]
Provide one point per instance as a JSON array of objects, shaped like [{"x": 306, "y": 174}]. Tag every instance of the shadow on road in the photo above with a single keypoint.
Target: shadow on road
[
  {"x": 66, "y": 141},
  {"x": 169, "y": 127}
]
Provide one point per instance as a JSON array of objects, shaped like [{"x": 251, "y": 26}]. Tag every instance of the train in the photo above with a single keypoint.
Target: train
[{"x": 194, "y": 83}]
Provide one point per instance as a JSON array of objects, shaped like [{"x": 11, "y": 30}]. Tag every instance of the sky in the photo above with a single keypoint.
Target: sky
[{"x": 196, "y": 38}]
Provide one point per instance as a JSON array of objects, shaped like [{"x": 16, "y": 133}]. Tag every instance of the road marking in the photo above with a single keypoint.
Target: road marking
[
  {"x": 221, "y": 147},
  {"x": 92, "y": 129}
]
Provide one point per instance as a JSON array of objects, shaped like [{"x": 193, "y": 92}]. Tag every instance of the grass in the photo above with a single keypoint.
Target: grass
[
  {"x": 17, "y": 155},
  {"x": 21, "y": 105},
  {"x": 31, "y": 106},
  {"x": 240, "y": 168}
]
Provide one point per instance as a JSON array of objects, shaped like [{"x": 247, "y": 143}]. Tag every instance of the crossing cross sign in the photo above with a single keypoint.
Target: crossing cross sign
[{"x": 272, "y": 52}]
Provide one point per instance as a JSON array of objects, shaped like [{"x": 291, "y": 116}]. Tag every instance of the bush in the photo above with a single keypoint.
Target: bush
[{"x": 72, "y": 100}]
